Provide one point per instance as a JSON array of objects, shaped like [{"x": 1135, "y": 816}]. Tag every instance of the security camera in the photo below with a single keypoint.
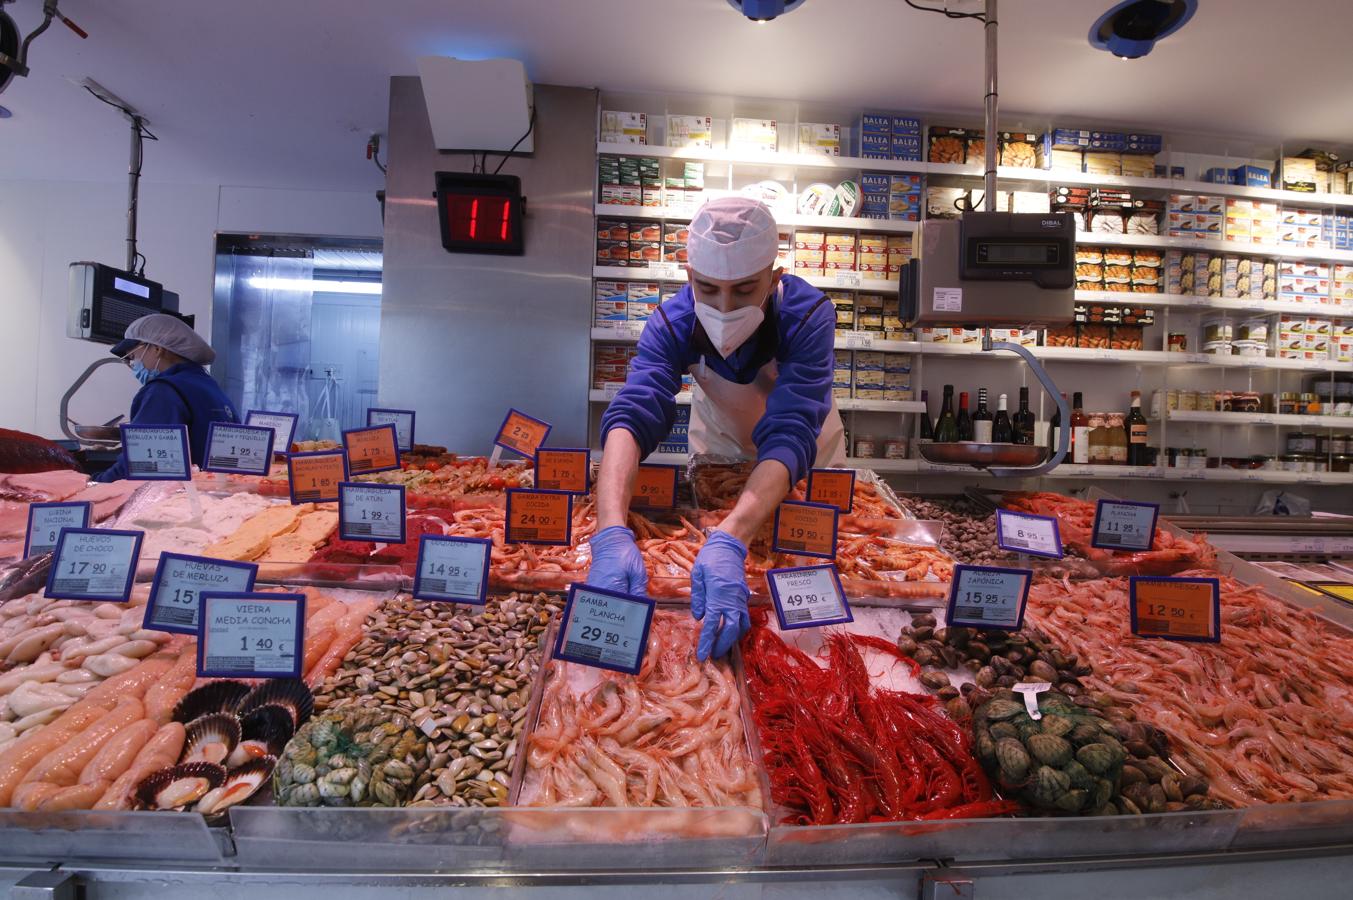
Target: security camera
[
  {"x": 1131, "y": 29},
  {"x": 13, "y": 52},
  {"x": 764, "y": 10}
]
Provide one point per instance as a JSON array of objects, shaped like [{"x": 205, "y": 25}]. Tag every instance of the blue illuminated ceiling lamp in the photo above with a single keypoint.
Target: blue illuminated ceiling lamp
[
  {"x": 763, "y": 11},
  {"x": 1130, "y": 30}
]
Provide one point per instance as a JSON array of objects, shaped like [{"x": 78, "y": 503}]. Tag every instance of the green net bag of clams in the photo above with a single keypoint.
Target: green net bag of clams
[
  {"x": 350, "y": 757},
  {"x": 1069, "y": 761}
]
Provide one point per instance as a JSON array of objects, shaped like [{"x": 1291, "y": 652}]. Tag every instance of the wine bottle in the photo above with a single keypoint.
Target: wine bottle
[
  {"x": 1002, "y": 431},
  {"x": 946, "y": 426},
  {"x": 963, "y": 421},
  {"x": 1136, "y": 432},
  {"x": 1054, "y": 432},
  {"x": 1080, "y": 431},
  {"x": 1024, "y": 422},
  {"x": 981, "y": 419},
  {"x": 927, "y": 433}
]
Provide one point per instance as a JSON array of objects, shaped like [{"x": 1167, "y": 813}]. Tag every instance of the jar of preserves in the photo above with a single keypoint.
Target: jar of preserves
[
  {"x": 1290, "y": 462},
  {"x": 1188, "y": 401},
  {"x": 1301, "y": 442},
  {"x": 1287, "y": 403},
  {"x": 1342, "y": 463},
  {"x": 866, "y": 447},
  {"x": 895, "y": 448}
]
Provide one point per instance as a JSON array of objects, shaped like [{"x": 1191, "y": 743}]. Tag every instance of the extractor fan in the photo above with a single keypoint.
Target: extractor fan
[{"x": 13, "y": 52}]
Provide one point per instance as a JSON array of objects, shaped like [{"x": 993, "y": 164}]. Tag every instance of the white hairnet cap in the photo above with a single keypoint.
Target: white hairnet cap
[
  {"x": 168, "y": 332},
  {"x": 732, "y": 238}
]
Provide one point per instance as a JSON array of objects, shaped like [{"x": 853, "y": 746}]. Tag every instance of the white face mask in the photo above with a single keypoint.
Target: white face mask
[{"x": 729, "y": 330}]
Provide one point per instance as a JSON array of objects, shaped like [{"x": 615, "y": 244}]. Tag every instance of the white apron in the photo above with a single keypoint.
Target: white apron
[{"x": 723, "y": 414}]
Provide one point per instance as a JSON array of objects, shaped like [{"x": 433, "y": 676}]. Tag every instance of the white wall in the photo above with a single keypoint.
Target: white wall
[{"x": 46, "y": 225}]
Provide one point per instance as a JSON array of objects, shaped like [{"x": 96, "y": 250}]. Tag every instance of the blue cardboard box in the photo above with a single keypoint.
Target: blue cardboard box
[
  {"x": 872, "y": 123},
  {"x": 912, "y": 154},
  {"x": 1218, "y": 175},
  {"x": 905, "y": 125},
  {"x": 1066, "y": 139},
  {"x": 1251, "y": 176},
  {"x": 875, "y": 182}
]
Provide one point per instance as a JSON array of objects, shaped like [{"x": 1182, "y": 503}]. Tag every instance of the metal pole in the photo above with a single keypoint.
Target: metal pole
[
  {"x": 133, "y": 188},
  {"x": 991, "y": 144}
]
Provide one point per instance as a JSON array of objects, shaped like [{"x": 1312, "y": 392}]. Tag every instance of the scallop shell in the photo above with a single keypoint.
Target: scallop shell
[
  {"x": 178, "y": 786},
  {"x": 219, "y": 696},
  {"x": 289, "y": 693},
  {"x": 264, "y": 732},
  {"x": 238, "y": 786},
  {"x": 211, "y": 738}
]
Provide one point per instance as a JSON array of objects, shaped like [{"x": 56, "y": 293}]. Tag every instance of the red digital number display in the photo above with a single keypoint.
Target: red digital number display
[{"x": 486, "y": 220}]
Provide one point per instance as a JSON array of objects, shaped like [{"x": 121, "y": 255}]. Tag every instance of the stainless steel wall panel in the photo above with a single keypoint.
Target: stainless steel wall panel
[{"x": 463, "y": 336}]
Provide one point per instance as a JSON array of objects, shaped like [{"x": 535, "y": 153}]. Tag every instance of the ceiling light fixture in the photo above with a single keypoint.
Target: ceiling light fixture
[
  {"x": 1131, "y": 29},
  {"x": 266, "y": 283},
  {"x": 763, "y": 11}
]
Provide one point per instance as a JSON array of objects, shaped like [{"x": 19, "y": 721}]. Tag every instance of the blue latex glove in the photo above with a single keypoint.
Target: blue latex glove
[
  {"x": 617, "y": 564},
  {"x": 719, "y": 587}
]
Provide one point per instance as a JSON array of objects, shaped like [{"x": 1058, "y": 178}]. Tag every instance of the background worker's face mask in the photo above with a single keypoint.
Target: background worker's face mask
[{"x": 141, "y": 372}]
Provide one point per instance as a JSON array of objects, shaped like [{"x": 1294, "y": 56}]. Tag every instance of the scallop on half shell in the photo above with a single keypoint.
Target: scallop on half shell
[
  {"x": 289, "y": 693},
  {"x": 264, "y": 732},
  {"x": 218, "y": 696},
  {"x": 178, "y": 786},
  {"x": 211, "y": 738},
  {"x": 239, "y": 785}
]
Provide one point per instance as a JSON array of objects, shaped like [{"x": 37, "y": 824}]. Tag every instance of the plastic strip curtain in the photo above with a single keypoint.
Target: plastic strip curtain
[{"x": 270, "y": 324}]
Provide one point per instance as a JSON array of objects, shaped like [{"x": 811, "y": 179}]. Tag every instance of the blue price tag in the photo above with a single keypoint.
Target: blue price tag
[
  {"x": 45, "y": 521},
  {"x": 1024, "y": 533},
  {"x": 239, "y": 449},
  {"x": 604, "y": 629},
  {"x": 1124, "y": 525},
  {"x": 402, "y": 419},
  {"x": 371, "y": 512},
  {"x": 453, "y": 569},
  {"x": 988, "y": 597},
  {"x": 808, "y": 597},
  {"x": 245, "y": 635},
  {"x": 94, "y": 564},
  {"x": 156, "y": 452},
  {"x": 179, "y": 581},
  {"x": 283, "y": 427}
]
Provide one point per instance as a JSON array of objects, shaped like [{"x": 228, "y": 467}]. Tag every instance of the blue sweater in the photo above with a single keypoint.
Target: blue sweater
[
  {"x": 183, "y": 394},
  {"x": 798, "y": 333}
]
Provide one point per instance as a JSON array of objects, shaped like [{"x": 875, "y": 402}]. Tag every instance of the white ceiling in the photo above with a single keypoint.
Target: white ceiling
[{"x": 269, "y": 93}]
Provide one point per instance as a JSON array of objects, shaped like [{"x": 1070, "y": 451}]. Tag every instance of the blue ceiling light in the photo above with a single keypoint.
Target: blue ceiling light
[
  {"x": 764, "y": 10},
  {"x": 1130, "y": 30}
]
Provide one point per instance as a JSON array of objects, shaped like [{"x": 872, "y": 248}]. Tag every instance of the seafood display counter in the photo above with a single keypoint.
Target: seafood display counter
[{"x": 431, "y": 744}]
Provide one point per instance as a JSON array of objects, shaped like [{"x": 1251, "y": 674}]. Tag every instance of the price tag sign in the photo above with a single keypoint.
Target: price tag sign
[
  {"x": 156, "y": 452},
  {"x": 848, "y": 279},
  {"x": 559, "y": 469},
  {"x": 402, "y": 419},
  {"x": 452, "y": 569},
  {"x": 521, "y": 433},
  {"x": 858, "y": 340},
  {"x": 94, "y": 564},
  {"x": 283, "y": 427},
  {"x": 315, "y": 477},
  {"x": 371, "y": 449},
  {"x": 180, "y": 581},
  {"x": 539, "y": 517},
  {"x": 371, "y": 512},
  {"x": 655, "y": 487},
  {"x": 604, "y": 629},
  {"x": 1124, "y": 525},
  {"x": 245, "y": 635},
  {"x": 1176, "y": 609},
  {"x": 988, "y": 597},
  {"x": 807, "y": 529},
  {"x": 833, "y": 487},
  {"x": 664, "y": 271},
  {"x": 808, "y": 597},
  {"x": 45, "y": 521},
  {"x": 239, "y": 449},
  {"x": 1023, "y": 533}
]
